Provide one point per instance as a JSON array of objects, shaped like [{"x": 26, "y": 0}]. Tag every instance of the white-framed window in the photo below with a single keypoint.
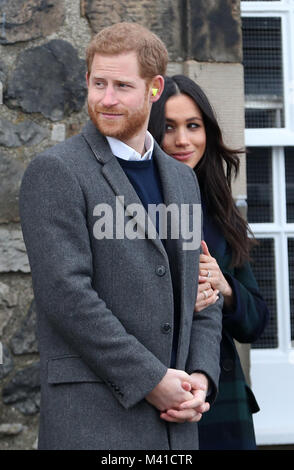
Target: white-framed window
[
  {"x": 270, "y": 198},
  {"x": 268, "y": 38},
  {"x": 268, "y": 59}
]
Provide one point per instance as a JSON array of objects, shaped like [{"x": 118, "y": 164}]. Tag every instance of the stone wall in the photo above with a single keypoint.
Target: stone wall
[
  {"x": 42, "y": 102},
  {"x": 42, "y": 70}
]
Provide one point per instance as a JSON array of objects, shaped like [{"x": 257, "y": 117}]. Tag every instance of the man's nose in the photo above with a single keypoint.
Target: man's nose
[{"x": 109, "y": 99}]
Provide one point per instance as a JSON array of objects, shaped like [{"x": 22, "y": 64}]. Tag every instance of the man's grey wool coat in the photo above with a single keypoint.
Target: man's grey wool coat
[{"x": 105, "y": 307}]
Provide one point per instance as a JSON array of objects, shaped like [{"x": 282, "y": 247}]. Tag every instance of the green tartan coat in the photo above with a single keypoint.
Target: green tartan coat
[{"x": 228, "y": 424}]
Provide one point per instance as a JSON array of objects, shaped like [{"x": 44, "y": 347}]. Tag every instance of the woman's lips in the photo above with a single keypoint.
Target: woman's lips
[{"x": 182, "y": 155}]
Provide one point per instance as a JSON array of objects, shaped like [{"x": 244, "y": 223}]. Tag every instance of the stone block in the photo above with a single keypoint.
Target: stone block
[
  {"x": 58, "y": 133},
  {"x": 13, "y": 256},
  {"x": 48, "y": 79},
  {"x": 163, "y": 17},
  {"x": 23, "y": 133},
  {"x": 23, "y": 391},
  {"x": 23, "y": 20},
  {"x": 10, "y": 429},
  {"x": 7, "y": 365},
  {"x": 11, "y": 172},
  {"x": 24, "y": 341},
  {"x": 214, "y": 31},
  {"x": 3, "y": 76},
  {"x": 8, "y": 298},
  {"x": 3, "y": 71},
  {"x": 5, "y": 316}
]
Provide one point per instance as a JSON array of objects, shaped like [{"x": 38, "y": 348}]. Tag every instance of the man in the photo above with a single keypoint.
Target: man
[{"x": 125, "y": 361}]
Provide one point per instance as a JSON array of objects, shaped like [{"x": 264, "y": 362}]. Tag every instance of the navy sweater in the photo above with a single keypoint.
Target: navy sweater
[{"x": 144, "y": 177}]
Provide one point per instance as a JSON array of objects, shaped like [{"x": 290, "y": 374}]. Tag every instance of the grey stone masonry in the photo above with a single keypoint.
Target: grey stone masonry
[
  {"x": 13, "y": 256},
  {"x": 23, "y": 133},
  {"x": 24, "y": 341},
  {"x": 204, "y": 30},
  {"x": 11, "y": 171},
  {"x": 48, "y": 79},
  {"x": 214, "y": 31},
  {"x": 23, "y": 391},
  {"x": 23, "y": 20},
  {"x": 163, "y": 17}
]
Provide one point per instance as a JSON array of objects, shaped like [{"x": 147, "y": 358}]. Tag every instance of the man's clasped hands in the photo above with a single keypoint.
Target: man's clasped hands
[{"x": 180, "y": 397}]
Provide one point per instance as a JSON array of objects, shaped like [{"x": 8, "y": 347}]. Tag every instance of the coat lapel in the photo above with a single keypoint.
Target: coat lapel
[
  {"x": 172, "y": 191},
  {"x": 117, "y": 179}
]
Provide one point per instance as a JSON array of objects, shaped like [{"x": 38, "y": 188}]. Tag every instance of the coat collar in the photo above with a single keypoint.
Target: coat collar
[
  {"x": 119, "y": 182},
  {"x": 167, "y": 170}
]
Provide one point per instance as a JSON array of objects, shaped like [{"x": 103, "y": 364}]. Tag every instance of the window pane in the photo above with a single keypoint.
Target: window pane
[
  {"x": 263, "y": 266},
  {"x": 259, "y": 184},
  {"x": 263, "y": 73},
  {"x": 289, "y": 171},
  {"x": 291, "y": 280}
]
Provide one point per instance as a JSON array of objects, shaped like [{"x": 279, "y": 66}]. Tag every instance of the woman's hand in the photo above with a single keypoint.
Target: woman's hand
[
  {"x": 210, "y": 272},
  {"x": 206, "y": 296}
]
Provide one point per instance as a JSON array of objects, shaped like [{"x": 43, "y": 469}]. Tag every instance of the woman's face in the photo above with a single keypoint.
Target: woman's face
[{"x": 185, "y": 136}]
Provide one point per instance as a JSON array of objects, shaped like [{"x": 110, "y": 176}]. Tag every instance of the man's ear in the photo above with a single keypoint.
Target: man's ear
[{"x": 156, "y": 89}]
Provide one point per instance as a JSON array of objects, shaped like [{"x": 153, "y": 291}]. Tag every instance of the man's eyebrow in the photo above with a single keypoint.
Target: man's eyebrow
[{"x": 117, "y": 80}]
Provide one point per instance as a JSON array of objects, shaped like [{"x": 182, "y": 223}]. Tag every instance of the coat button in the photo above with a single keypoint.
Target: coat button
[
  {"x": 166, "y": 328},
  {"x": 160, "y": 270}
]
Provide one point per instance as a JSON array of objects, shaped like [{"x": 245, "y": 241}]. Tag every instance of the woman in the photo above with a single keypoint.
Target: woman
[{"x": 184, "y": 125}]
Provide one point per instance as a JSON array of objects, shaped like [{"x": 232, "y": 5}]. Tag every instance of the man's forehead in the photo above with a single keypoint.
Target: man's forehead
[{"x": 126, "y": 63}]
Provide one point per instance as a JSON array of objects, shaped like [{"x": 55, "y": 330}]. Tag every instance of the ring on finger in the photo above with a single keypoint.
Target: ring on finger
[{"x": 208, "y": 274}]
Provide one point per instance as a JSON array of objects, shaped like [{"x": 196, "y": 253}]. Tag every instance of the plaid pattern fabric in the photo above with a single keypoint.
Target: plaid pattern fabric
[{"x": 229, "y": 425}]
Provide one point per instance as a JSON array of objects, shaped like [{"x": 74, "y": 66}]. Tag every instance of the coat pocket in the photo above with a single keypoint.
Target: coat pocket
[{"x": 68, "y": 369}]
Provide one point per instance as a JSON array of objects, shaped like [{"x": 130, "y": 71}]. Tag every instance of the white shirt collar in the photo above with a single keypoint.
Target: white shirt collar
[{"x": 124, "y": 151}]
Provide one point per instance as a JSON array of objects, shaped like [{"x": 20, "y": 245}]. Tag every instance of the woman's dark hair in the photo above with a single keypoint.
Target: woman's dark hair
[{"x": 215, "y": 169}]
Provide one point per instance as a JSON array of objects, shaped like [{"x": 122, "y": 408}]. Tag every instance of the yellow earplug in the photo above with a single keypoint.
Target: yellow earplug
[{"x": 154, "y": 91}]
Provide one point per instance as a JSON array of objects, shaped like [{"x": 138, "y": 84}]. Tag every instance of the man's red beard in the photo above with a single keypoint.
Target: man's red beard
[{"x": 122, "y": 128}]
